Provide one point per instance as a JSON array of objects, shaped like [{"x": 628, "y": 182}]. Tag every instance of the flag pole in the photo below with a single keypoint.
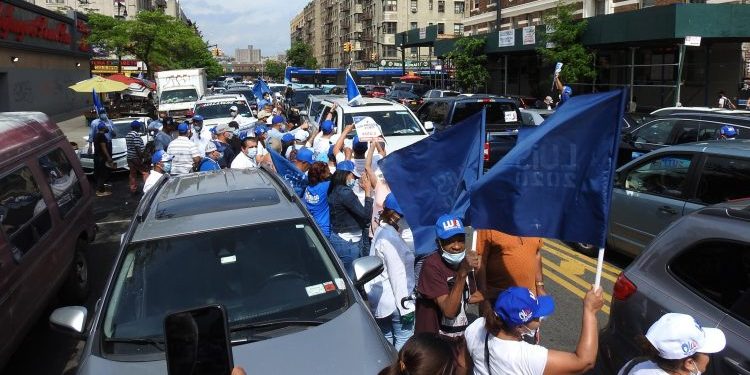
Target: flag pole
[{"x": 599, "y": 266}]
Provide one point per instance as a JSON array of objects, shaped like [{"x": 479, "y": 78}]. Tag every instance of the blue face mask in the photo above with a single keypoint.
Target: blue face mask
[
  {"x": 454, "y": 259},
  {"x": 167, "y": 167},
  {"x": 351, "y": 183}
]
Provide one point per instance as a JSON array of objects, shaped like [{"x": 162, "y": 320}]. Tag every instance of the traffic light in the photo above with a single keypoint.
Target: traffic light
[
  {"x": 347, "y": 47},
  {"x": 373, "y": 56}
]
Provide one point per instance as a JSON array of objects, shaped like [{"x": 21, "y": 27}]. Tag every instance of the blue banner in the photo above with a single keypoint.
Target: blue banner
[
  {"x": 259, "y": 89},
  {"x": 98, "y": 107},
  {"x": 432, "y": 177},
  {"x": 352, "y": 91},
  {"x": 294, "y": 177},
  {"x": 557, "y": 181}
]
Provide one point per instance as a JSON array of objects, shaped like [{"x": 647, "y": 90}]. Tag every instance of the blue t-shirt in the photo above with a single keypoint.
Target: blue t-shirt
[
  {"x": 316, "y": 201},
  {"x": 208, "y": 164}
]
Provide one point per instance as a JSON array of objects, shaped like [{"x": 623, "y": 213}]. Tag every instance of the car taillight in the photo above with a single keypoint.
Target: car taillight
[
  {"x": 624, "y": 288},
  {"x": 484, "y": 100},
  {"x": 486, "y": 151}
]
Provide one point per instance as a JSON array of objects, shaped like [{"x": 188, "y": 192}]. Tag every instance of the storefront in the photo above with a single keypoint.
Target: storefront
[{"x": 41, "y": 54}]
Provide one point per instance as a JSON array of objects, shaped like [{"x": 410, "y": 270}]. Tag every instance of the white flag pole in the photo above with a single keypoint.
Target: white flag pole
[{"x": 599, "y": 265}]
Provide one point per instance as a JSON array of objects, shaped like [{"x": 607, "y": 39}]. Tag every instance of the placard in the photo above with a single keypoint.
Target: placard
[
  {"x": 506, "y": 38},
  {"x": 422, "y": 33},
  {"x": 529, "y": 35},
  {"x": 367, "y": 129},
  {"x": 511, "y": 116}
]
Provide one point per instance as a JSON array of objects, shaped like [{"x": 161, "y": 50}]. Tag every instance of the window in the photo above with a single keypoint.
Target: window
[
  {"x": 685, "y": 131},
  {"x": 441, "y": 28},
  {"x": 656, "y": 132},
  {"x": 458, "y": 29},
  {"x": 435, "y": 112},
  {"x": 441, "y": 6},
  {"x": 430, "y": 4},
  {"x": 720, "y": 273},
  {"x": 62, "y": 180},
  {"x": 474, "y": 4},
  {"x": 414, "y": 50},
  {"x": 390, "y": 6},
  {"x": 458, "y": 7},
  {"x": 24, "y": 215},
  {"x": 390, "y": 51},
  {"x": 389, "y": 27},
  {"x": 413, "y": 25},
  {"x": 724, "y": 179},
  {"x": 413, "y": 6},
  {"x": 665, "y": 175}
]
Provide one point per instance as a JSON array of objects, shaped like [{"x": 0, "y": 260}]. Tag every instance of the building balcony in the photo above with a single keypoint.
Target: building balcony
[
  {"x": 357, "y": 27},
  {"x": 358, "y": 9}
]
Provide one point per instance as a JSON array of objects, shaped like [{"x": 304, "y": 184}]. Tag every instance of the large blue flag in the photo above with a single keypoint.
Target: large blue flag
[
  {"x": 352, "y": 91},
  {"x": 98, "y": 107},
  {"x": 259, "y": 89},
  {"x": 294, "y": 177},
  {"x": 557, "y": 181},
  {"x": 432, "y": 177}
]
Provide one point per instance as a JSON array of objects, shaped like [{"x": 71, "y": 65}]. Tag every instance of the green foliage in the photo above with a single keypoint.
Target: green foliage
[
  {"x": 469, "y": 60},
  {"x": 566, "y": 47},
  {"x": 160, "y": 41},
  {"x": 301, "y": 55},
  {"x": 275, "y": 70}
]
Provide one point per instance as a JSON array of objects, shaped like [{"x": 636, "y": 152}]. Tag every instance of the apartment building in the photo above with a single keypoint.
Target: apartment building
[
  {"x": 247, "y": 55},
  {"x": 114, "y": 8}
]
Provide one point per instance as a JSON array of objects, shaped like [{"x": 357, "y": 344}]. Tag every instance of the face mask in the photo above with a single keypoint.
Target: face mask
[
  {"x": 453, "y": 259},
  {"x": 695, "y": 370},
  {"x": 197, "y": 128},
  {"x": 529, "y": 336},
  {"x": 167, "y": 167},
  {"x": 351, "y": 183},
  {"x": 251, "y": 152}
]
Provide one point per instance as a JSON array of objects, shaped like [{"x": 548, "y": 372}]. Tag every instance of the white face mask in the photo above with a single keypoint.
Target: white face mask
[
  {"x": 695, "y": 370},
  {"x": 530, "y": 335},
  {"x": 251, "y": 152}
]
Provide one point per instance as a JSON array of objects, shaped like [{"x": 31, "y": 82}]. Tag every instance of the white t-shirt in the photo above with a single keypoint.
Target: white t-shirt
[
  {"x": 644, "y": 368},
  {"x": 506, "y": 356},
  {"x": 183, "y": 150},
  {"x": 241, "y": 161}
]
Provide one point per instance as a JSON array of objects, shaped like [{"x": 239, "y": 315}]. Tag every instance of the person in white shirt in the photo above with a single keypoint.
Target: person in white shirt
[
  {"x": 504, "y": 340},
  {"x": 161, "y": 164},
  {"x": 325, "y": 138},
  {"x": 201, "y": 136},
  {"x": 248, "y": 152},
  {"x": 676, "y": 344},
  {"x": 185, "y": 154},
  {"x": 389, "y": 292}
]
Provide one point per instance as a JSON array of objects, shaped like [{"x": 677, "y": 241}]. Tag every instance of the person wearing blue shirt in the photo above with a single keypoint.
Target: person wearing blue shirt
[
  {"x": 316, "y": 196},
  {"x": 278, "y": 127},
  {"x": 211, "y": 161},
  {"x": 93, "y": 129}
]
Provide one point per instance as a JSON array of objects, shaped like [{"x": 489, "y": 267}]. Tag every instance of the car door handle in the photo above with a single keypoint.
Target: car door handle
[
  {"x": 736, "y": 366},
  {"x": 668, "y": 210}
]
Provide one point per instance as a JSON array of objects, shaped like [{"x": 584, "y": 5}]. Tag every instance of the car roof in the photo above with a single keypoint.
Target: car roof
[
  {"x": 737, "y": 118},
  {"x": 734, "y": 147},
  {"x": 471, "y": 98},
  {"x": 221, "y": 97},
  {"x": 370, "y": 105},
  {"x": 200, "y": 202}
]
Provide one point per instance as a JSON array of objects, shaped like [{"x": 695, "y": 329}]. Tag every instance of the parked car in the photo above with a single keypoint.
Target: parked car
[
  {"x": 440, "y": 94},
  {"x": 700, "y": 266},
  {"x": 534, "y": 117},
  {"x": 314, "y": 107},
  {"x": 295, "y": 105},
  {"x": 47, "y": 223},
  {"x": 416, "y": 88},
  {"x": 503, "y": 120},
  {"x": 672, "y": 110},
  {"x": 675, "y": 129},
  {"x": 399, "y": 125},
  {"x": 119, "y": 148},
  {"x": 242, "y": 239},
  {"x": 411, "y": 100},
  {"x": 377, "y": 91},
  {"x": 247, "y": 92},
  {"x": 215, "y": 110},
  {"x": 652, "y": 192}
]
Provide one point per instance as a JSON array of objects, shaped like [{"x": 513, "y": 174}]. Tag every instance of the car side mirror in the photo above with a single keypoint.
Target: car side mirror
[
  {"x": 365, "y": 269},
  {"x": 70, "y": 320},
  {"x": 428, "y": 125}
]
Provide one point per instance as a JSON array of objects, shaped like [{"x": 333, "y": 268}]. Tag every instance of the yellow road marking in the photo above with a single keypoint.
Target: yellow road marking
[
  {"x": 563, "y": 283},
  {"x": 562, "y": 255},
  {"x": 581, "y": 282},
  {"x": 572, "y": 267},
  {"x": 579, "y": 256}
]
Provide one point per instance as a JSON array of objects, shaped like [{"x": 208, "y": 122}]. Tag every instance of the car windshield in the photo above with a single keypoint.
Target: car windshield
[
  {"x": 247, "y": 92},
  {"x": 299, "y": 97},
  {"x": 220, "y": 109},
  {"x": 392, "y": 123},
  {"x": 179, "y": 96},
  {"x": 259, "y": 273},
  {"x": 496, "y": 111},
  {"x": 122, "y": 128},
  {"x": 402, "y": 94}
]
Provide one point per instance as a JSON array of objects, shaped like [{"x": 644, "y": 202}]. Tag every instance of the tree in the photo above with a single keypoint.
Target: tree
[
  {"x": 301, "y": 55},
  {"x": 563, "y": 44},
  {"x": 108, "y": 35},
  {"x": 469, "y": 61},
  {"x": 275, "y": 70}
]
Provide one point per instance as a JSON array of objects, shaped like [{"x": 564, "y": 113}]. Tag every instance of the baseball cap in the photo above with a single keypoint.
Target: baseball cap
[
  {"x": 678, "y": 336},
  {"x": 287, "y": 138},
  {"x": 518, "y": 305},
  {"x": 326, "y": 126},
  {"x": 223, "y": 128},
  {"x": 348, "y": 166},
  {"x": 301, "y": 136},
  {"x": 728, "y": 130},
  {"x": 358, "y": 146},
  {"x": 101, "y": 125},
  {"x": 391, "y": 204},
  {"x": 233, "y": 108},
  {"x": 197, "y": 118},
  {"x": 210, "y": 147},
  {"x": 567, "y": 92},
  {"x": 135, "y": 124},
  {"x": 305, "y": 155},
  {"x": 160, "y": 156},
  {"x": 448, "y": 226},
  {"x": 260, "y": 129},
  {"x": 277, "y": 119},
  {"x": 183, "y": 127}
]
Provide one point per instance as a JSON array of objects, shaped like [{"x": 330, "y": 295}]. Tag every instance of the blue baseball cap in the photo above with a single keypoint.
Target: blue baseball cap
[
  {"x": 160, "y": 156},
  {"x": 728, "y": 131},
  {"x": 135, "y": 124},
  {"x": 101, "y": 125},
  {"x": 277, "y": 119},
  {"x": 183, "y": 127},
  {"x": 567, "y": 92},
  {"x": 517, "y": 306},
  {"x": 305, "y": 155},
  {"x": 348, "y": 166},
  {"x": 391, "y": 204},
  {"x": 287, "y": 138},
  {"x": 448, "y": 226},
  {"x": 260, "y": 129},
  {"x": 358, "y": 146},
  {"x": 326, "y": 126},
  {"x": 197, "y": 118}
]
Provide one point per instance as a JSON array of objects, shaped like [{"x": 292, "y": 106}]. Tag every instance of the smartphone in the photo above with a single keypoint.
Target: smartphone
[{"x": 197, "y": 342}]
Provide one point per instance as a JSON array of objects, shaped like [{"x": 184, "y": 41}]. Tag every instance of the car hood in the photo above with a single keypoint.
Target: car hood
[
  {"x": 349, "y": 344},
  {"x": 176, "y": 106},
  {"x": 397, "y": 142}
]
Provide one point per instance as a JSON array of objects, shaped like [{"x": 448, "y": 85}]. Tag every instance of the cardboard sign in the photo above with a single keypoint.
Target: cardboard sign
[{"x": 367, "y": 129}]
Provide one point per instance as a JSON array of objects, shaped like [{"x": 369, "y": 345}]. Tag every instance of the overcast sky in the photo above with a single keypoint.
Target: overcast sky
[{"x": 238, "y": 23}]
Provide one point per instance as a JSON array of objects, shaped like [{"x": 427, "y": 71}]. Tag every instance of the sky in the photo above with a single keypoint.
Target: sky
[{"x": 234, "y": 24}]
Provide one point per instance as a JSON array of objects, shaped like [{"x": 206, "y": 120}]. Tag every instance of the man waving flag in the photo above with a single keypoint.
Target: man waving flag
[
  {"x": 352, "y": 91},
  {"x": 259, "y": 89}
]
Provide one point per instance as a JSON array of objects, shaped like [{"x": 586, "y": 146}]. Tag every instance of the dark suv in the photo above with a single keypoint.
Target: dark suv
[{"x": 503, "y": 120}]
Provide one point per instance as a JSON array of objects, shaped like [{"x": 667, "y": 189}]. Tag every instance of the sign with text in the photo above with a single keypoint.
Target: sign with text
[
  {"x": 693, "y": 41},
  {"x": 549, "y": 29},
  {"x": 422, "y": 33},
  {"x": 367, "y": 129},
  {"x": 506, "y": 38},
  {"x": 25, "y": 27},
  {"x": 529, "y": 35}
]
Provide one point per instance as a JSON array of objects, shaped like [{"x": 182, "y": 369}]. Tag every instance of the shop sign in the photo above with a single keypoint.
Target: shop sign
[
  {"x": 693, "y": 41},
  {"x": 506, "y": 38},
  {"x": 23, "y": 26},
  {"x": 529, "y": 35}
]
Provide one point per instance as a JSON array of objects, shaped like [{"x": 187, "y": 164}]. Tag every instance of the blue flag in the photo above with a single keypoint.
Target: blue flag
[
  {"x": 557, "y": 181},
  {"x": 294, "y": 177},
  {"x": 432, "y": 177},
  {"x": 352, "y": 91},
  {"x": 98, "y": 107},
  {"x": 259, "y": 89}
]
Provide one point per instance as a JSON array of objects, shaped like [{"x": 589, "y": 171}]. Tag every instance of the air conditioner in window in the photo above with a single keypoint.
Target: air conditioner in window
[
  {"x": 414, "y": 9},
  {"x": 412, "y": 55}
]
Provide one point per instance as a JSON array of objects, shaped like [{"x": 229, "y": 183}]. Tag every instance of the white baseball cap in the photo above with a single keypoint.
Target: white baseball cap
[
  {"x": 301, "y": 136},
  {"x": 678, "y": 336}
]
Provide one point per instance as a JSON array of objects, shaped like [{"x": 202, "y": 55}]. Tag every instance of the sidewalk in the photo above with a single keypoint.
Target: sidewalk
[{"x": 75, "y": 129}]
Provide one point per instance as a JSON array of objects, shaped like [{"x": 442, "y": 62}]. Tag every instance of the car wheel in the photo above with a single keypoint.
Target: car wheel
[
  {"x": 76, "y": 287},
  {"x": 585, "y": 249}
]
